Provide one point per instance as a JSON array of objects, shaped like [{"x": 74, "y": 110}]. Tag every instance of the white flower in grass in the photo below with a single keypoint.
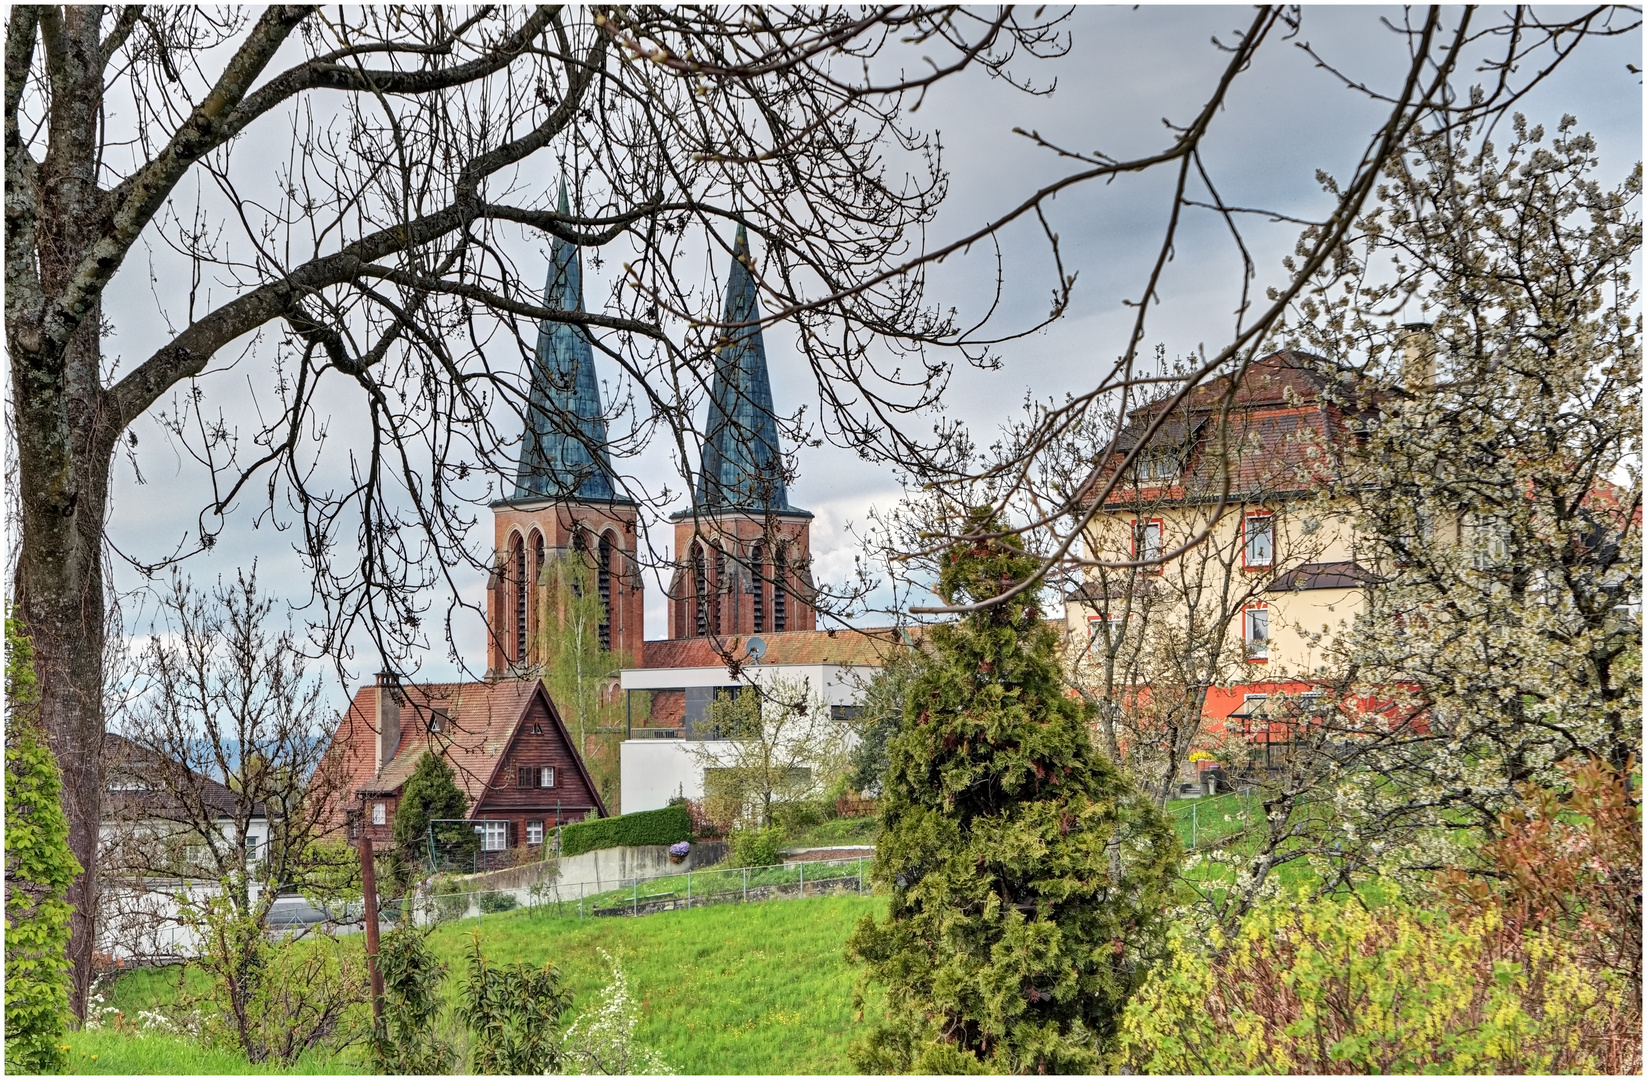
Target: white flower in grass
[{"x": 601, "y": 1040}]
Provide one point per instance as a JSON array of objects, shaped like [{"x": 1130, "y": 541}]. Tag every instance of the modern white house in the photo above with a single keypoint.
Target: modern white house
[{"x": 669, "y": 742}]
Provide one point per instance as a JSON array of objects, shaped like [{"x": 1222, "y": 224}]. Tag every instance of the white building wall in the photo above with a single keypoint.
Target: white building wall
[{"x": 653, "y": 771}]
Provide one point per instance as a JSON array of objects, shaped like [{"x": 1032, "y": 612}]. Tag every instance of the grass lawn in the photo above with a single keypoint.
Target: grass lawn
[
  {"x": 110, "y": 1053},
  {"x": 735, "y": 988}
]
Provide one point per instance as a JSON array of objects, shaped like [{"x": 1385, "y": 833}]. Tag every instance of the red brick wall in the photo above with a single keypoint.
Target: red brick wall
[{"x": 739, "y": 536}]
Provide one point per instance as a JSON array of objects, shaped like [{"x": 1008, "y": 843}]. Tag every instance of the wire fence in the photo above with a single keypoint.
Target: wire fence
[
  {"x": 1214, "y": 819},
  {"x": 642, "y": 896}
]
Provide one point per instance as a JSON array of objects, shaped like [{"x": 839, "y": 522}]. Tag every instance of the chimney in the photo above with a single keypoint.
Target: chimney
[
  {"x": 388, "y": 717},
  {"x": 1417, "y": 356}
]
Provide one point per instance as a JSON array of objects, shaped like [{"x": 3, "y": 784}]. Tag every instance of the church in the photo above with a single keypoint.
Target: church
[{"x": 739, "y": 602}]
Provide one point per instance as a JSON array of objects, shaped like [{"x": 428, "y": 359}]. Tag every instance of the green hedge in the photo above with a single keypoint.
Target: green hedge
[{"x": 670, "y": 825}]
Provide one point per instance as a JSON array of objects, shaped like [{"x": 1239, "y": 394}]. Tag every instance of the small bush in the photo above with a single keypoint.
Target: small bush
[
  {"x": 755, "y": 847},
  {"x": 670, "y": 825},
  {"x": 794, "y": 818},
  {"x": 492, "y": 903}
]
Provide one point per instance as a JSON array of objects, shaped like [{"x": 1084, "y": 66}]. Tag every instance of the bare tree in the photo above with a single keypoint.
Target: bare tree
[
  {"x": 218, "y": 802},
  {"x": 378, "y": 257}
]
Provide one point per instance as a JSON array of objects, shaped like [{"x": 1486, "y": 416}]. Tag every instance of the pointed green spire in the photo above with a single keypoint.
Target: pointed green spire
[
  {"x": 564, "y": 454},
  {"x": 742, "y": 465}
]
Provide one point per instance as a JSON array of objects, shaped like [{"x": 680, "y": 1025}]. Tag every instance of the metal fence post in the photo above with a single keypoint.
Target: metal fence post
[
  {"x": 860, "y": 875},
  {"x": 689, "y": 888},
  {"x": 746, "y": 884},
  {"x": 803, "y": 878},
  {"x": 635, "y": 906},
  {"x": 1195, "y": 819}
]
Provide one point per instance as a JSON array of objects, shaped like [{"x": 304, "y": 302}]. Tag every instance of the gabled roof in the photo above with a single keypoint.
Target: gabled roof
[
  {"x": 564, "y": 454},
  {"x": 1285, "y": 426},
  {"x": 139, "y": 781},
  {"x": 479, "y": 721},
  {"x": 741, "y": 466}
]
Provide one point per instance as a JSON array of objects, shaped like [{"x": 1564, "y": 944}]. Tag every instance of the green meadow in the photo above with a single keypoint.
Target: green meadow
[{"x": 735, "y": 988}]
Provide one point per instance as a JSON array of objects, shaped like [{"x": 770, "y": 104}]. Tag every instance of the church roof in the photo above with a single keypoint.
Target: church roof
[
  {"x": 741, "y": 466},
  {"x": 564, "y": 455}
]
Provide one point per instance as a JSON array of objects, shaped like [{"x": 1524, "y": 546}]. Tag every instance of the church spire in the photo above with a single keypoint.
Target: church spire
[
  {"x": 742, "y": 467},
  {"x": 564, "y": 453}
]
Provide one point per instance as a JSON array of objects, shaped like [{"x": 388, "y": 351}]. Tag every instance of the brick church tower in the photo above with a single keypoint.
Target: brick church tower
[
  {"x": 743, "y": 553},
  {"x": 566, "y": 501}
]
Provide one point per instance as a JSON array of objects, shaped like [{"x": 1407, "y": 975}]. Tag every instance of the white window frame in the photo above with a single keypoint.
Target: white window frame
[
  {"x": 253, "y": 847},
  {"x": 1258, "y": 646},
  {"x": 380, "y": 813},
  {"x": 494, "y": 835},
  {"x": 1117, "y": 622},
  {"x": 1250, "y": 536},
  {"x": 534, "y": 832},
  {"x": 1146, "y": 539},
  {"x": 546, "y": 776}
]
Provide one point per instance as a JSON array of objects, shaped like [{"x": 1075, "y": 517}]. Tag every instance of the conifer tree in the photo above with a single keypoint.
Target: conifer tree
[
  {"x": 1027, "y": 879},
  {"x": 432, "y": 794}
]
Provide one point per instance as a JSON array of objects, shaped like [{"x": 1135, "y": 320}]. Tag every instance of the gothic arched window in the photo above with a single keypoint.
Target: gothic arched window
[
  {"x": 757, "y": 585},
  {"x": 517, "y": 574},
  {"x": 700, "y": 590},
  {"x": 603, "y": 583},
  {"x": 720, "y": 587},
  {"x": 780, "y": 606}
]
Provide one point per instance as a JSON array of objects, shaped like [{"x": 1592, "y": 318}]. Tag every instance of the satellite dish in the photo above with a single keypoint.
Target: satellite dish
[{"x": 756, "y": 648}]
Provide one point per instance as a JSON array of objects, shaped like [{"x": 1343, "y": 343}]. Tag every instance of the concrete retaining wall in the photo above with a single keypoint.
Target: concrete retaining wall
[{"x": 605, "y": 868}]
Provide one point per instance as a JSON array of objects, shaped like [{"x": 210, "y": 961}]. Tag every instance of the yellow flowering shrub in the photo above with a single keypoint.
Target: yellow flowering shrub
[{"x": 1331, "y": 986}]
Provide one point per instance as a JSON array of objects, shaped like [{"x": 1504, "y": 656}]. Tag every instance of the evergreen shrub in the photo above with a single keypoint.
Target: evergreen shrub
[
  {"x": 670, "y": 825},
  {"x": 39, "y": 870},
  {"x": 1027, "y": 880}
]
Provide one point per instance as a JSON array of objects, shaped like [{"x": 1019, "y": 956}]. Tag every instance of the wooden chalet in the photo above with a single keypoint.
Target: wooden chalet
[{"x": 505, "y": 740}]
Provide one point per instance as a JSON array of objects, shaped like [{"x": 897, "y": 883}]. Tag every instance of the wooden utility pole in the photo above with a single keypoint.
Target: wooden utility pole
[{"x": 368, "y": 884}]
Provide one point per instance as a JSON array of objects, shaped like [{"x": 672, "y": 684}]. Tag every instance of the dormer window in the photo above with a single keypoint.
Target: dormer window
[
  {"x": 1158, "y": 463},
  {"x": 537, "y": 729},
  {"x": 437, "y": 720}
]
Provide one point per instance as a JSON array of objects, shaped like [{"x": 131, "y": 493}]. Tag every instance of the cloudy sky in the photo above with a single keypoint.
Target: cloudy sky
[{"x": 1127, "y": 70}]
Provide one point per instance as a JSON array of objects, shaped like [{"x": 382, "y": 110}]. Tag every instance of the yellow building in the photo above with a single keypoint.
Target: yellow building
[{"x": 1222, "y": 555}]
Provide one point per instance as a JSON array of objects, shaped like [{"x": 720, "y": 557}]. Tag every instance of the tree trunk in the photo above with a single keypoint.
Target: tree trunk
[
  {"x": 60, "y": 593},
  {"x": 65, "y": 439}
]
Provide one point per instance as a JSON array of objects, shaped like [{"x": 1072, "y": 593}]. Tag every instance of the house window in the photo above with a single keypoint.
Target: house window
[
  {"x": 546, "y": 777},
  {"x": 523, "y": 776},
  {"x": 537, "y": 729},
  {"x": 494, "y": 835},
  {"x": 846, "y": 713},
  {"x": 380, "y": 813},
  {"x": 251, "y": 847},
  {"x": 1158, "y": 464},
  {"x": 1146, "y": 539},
  {"x": 1256, "y": 631},
  {"x": 437, "y": 720},
  {"x": 1095, "y": 623},
  {"x": 534, "y": 832},
  {"x": 351, "y": 820},
  {"x": 1258, "y": 541}
]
